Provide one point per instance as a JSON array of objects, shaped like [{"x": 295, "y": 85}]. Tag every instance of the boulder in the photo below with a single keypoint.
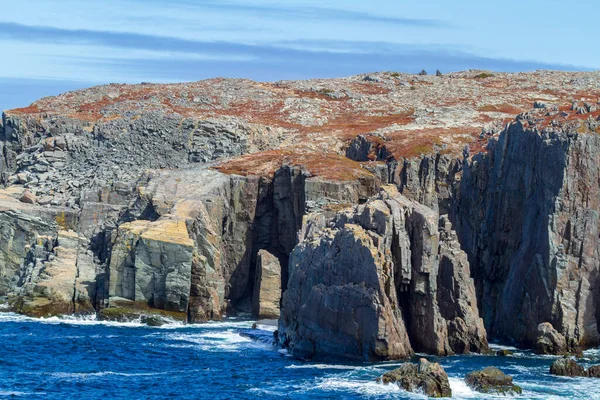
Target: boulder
[
  {"x": 492, "y": 380},
  {"x": 549, "y": 340},
  {"x": 594, "y": 371},
  {"x": 429, "y": 378},
  {"x": 267, "y": 286},
  {"x": 28, "y": 197},
  {"x": 567, "y": 367}
]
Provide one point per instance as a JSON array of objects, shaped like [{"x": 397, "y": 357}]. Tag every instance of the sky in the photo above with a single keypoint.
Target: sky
[{"x": 52, "y": 46}]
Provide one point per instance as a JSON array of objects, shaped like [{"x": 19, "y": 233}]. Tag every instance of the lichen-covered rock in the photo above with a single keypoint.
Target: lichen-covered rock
[
  {"x": 267, "y": 286},
  {"x": 549, "y": 341},
  {"x": 567, "y": 367},
  {"x": 492, "y": 380},
  {"x": 426, "y": 377},
  {"x": 355, "y": 280}
]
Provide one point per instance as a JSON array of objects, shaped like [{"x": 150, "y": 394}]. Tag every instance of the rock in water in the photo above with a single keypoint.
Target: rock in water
[
  {"x": 594, "y": 371},
  {"x": 504, "y": 353},
  {"x": 549, "y": 340},
  {"x": 354, "y": 283},
  {"x": 267, "y": 286},
  {"x": 492, "y": 380},
  {"x": 567, "y": 367},
  {"x": 430, "y": 378}
]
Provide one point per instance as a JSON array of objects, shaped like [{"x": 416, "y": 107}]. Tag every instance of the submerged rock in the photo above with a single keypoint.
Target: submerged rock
[
  {"x": 504, "y": 353},
  {"x": 567, "y": 367},
  {"x": 492, "y": 380},
  {"x": 549, "y": 340},
  {"x": 430, "y": 378}
]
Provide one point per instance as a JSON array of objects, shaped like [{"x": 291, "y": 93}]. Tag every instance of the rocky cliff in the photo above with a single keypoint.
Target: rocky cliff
[
  {"x": 527, "y": 215},
  {"x": 380, "y": 281},
  {"x": 385, "y": 213}
]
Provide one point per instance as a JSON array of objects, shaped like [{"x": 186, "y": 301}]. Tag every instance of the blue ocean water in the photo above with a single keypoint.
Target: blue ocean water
[{"x": 87, "y": 359}]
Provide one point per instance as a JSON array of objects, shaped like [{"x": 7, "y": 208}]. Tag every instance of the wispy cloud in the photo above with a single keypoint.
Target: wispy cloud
[{"x": 310, "y": 13}]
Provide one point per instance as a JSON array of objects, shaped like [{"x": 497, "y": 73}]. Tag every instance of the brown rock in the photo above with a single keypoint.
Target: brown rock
[
  {"x": 549, "y": 340},
  {"x": 567, "y": 367},
  {"x": 430, "y": 378},
  {"x": 28, "y": 197},
  {"x": 492, "y": 380}
]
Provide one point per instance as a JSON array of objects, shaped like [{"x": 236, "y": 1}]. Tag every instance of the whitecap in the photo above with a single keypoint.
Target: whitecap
[
  {"x": 322, "y": 366},
  {"x": 365, "y": 388},
  {"x": 19, "y": 394}
]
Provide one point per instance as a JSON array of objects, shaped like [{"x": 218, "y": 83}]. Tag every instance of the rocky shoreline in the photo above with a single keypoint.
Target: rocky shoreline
[{"x": 391, "y": 233}]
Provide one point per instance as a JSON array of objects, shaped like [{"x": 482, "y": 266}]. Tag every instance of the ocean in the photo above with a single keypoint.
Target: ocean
[{"x": 67, "y": 358}]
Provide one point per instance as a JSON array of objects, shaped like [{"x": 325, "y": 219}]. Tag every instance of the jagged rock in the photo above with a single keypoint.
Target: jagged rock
[
  {"x": 549, "y": 341},
  {"x": 528, "y": 211},
  {"x": 492, "y": 380},
  {"x": 429, "y": 378},
  {"x": 267, "y": 286},
  {"x": 395, "y": 265},
  {"x": 28, "y": 197},
  {"x": 567, "y": 367}
]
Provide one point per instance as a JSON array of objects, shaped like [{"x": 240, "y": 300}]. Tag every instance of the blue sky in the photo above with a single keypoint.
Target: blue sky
[{"x": 50, "y": 46}]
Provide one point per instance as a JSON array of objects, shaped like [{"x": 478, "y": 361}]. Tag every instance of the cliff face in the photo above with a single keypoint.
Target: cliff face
[
  {"x": 200, "y": 200},
  {"x": 380, "y": 281},
  {"x": 527, "y": 215}
]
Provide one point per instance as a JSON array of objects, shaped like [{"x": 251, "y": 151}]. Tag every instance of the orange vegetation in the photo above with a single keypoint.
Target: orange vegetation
[{"x": 326, "y": 165}]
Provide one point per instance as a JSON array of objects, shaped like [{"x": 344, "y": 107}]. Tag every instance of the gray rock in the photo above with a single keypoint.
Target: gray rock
[
  {"x": 567, "y": 367},
  {"x": 426, "y": 377},
  {"x": 527, "y": 211},
  {"x": 353, "y": 302},
  {"x": 492, "y": 380}
]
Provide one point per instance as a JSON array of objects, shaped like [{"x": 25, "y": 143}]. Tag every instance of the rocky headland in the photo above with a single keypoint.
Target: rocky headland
[{"x": 375, "y": 216}]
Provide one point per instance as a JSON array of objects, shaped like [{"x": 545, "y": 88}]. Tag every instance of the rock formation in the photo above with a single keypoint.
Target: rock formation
[
  {"x": 549, "y": 341},
  {"x": 377, "y": 282},
  {"x": 165, "y": 201},
  {"x": 267, "y": 286},
  {"x": 567, "y": 367},
  {"x": 492, "y": 380},
  {"x": 426, "y": 377},
  {"x": 528, "y": 211}
]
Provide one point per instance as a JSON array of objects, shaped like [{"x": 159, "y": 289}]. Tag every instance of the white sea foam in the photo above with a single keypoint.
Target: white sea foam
[
  {"x": 365, "y": 388},
  {"x": 91, "y": 375},
  {"x": 20, "y": 394},
  {"x": 321, "y": 366},
  {"x": 84, "y": 320},
  {"x": 228, "y": 341},
  {"x": 460, "y": 389}
]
